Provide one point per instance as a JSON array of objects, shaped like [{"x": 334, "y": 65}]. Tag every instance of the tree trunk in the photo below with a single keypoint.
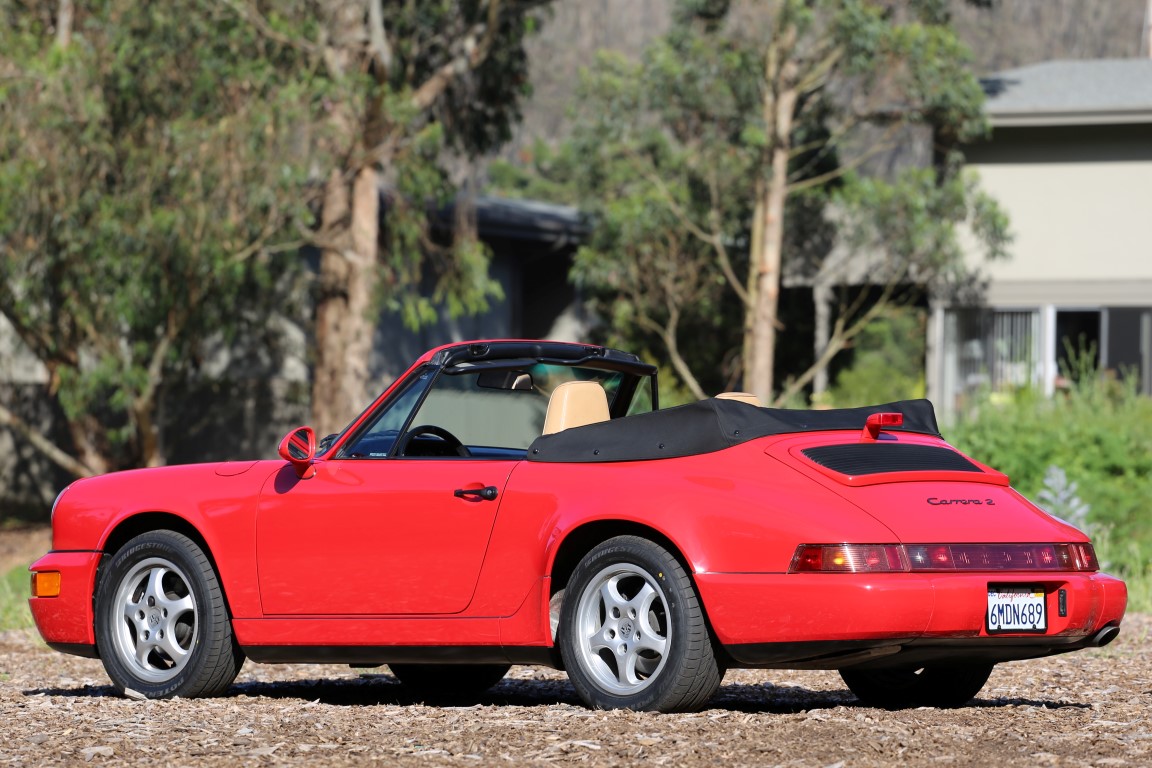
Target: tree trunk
[
  {"x": 64, "y": 15},
  {"x": 346, "y": 316},
  {"x": 780, "y": 98},
  {"x": 822, "y": 299},
  {"x": 350, "y": 224},
  {"x": 345, "y": 321}
]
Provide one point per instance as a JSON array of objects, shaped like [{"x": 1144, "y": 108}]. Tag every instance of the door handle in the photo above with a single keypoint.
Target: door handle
[{"x": 487, "y": 493}]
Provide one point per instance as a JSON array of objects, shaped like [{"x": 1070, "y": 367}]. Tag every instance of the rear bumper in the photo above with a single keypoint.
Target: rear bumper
[
  {"x": 835, "y": 620},
  {"x": 65, "y": 622}
]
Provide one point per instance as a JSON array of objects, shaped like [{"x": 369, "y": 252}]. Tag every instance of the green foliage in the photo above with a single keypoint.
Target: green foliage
[
  {"x": 148, "y": 174},
  {"x": 156, "y": 172},
  {"x": 911, "y": 220},
  {"x": 670, "y": 153},
  {"x": 475, "y": 113},
  {"x": 14, "y": 613},
  {"x": 887, "y": 362},
  {"x": 1098, "y": 435}
]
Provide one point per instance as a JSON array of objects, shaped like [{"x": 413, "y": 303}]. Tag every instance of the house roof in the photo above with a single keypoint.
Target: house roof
[
  {"x": 556, "y": 226},
  {"x": 1090, "y": 92}
]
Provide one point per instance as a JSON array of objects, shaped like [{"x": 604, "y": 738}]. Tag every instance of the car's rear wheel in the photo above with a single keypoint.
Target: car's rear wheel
[
  {"x": 162, "y": 627},
  {"x": 633, "y": 633},
  {"x": 943, "y": 686},
  {"x": 448, "y": 683}
]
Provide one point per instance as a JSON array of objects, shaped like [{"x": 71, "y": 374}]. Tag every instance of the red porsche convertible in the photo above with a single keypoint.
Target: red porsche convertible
[{"x": 517, "y": 502}]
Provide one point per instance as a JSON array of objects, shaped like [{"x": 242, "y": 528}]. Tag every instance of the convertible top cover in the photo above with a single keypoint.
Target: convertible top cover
[{"x": 710, "y": 425}]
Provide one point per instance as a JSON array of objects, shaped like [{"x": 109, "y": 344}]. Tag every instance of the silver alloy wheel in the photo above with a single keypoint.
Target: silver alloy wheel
[
  {"x": 622, "y": 626},
  {"x": 154, "y": 620}
]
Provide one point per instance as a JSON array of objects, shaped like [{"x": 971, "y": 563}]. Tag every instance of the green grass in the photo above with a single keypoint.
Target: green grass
[
  {"x": 1140, "y": 591},
  {"x": 14, "y": 613}
]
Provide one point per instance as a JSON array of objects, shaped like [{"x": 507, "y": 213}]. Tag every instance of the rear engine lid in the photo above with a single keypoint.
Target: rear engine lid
[
  {"x": 940, "y": 511},
  {"x": 890, "y": 461},
  {"x": 924, "y": 490}
]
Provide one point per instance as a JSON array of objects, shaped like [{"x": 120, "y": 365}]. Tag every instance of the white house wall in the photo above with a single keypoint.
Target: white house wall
[
  {"x": 1082, "y": 232},
  {"x": 1079, "y": 200}
]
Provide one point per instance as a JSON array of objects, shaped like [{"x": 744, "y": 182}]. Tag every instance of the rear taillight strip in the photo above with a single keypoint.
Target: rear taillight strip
[{"x": 942, "y": 558}]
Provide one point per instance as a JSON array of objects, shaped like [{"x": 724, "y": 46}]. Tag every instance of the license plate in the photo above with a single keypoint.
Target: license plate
[{"x": 1016, "y": 609}]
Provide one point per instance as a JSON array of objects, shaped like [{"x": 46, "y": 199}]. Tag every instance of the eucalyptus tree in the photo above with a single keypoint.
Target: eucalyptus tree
[
  {"x": 162, "y": 164},
  {"x": 151, "y": 183},
  {"x": 423, "y": 83},
  {"x": 747, "y": 143}
]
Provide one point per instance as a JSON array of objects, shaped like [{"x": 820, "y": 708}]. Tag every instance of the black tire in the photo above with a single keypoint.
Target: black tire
[
  {"x": 448, "y": 683},
  {"x": 945, "y": 687},
  {"x": 644, "y": 647},
  {"x": 162, "y": 627}
]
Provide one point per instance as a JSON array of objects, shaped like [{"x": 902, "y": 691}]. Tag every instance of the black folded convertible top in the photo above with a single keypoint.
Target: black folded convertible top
[{"x": 710, "y": 425}]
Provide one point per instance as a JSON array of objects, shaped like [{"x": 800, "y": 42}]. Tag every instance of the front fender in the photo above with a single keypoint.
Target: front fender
[{"x": 95, "y": 514}]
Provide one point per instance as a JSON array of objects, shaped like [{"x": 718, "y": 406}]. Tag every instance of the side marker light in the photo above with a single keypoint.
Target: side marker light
[{"x": 45, "y": 584}]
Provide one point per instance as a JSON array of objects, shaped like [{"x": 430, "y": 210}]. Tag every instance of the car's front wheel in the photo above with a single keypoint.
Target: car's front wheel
[
  {"x": 633, "y": 633},
  {"x": 162, "y": 628},
  {"x": 943, "y": 686}
]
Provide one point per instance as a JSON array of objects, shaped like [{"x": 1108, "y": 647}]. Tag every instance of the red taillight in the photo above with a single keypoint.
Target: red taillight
[
  {"x": 880, "y": 558},
  {"x": 1085, "y": 557},
  {"x": 998, "y": 557},
  {"x": 847, "y": 558}
]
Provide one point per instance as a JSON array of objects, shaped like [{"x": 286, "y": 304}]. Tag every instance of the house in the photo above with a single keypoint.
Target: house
[
  {"x": 1070, "y": 161},
  {"x": 532, "y": 244}
]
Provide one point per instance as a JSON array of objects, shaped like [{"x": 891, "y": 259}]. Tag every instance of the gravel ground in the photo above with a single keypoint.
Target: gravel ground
[{"x": 1084, "y": 709}]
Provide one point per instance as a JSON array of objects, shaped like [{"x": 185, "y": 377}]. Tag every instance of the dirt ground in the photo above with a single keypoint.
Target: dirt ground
[{"x": 1084, "y": 709}]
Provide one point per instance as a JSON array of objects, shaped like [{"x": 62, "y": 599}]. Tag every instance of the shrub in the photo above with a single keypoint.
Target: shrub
[
  {"x": 887, "y": 361},
  {"x": 1084, "y": 454}
]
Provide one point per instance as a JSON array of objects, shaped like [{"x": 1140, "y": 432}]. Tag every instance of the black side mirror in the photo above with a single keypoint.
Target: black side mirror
[{"x": 298, "y": 448}]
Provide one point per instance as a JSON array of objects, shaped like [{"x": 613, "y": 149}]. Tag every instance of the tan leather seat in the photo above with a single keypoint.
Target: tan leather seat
[
  {"x": 741, "y": 397},
  {"x": 575, "y": 404}
]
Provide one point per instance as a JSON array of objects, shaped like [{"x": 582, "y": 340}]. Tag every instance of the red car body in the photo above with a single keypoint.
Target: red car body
[{"x": 397, "y": 557}]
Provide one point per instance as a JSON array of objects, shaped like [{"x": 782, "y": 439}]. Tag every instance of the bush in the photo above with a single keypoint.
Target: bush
[
  {"x": 1085, "y": 455},
  {"x": 887, "y": 361}
]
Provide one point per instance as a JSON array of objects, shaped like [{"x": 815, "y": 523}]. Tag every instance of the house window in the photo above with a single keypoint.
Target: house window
[
  {"x": 1128, "y": 351},
  {"x": 987, "y": 350},
  {"x": 1078, "y": 348}
]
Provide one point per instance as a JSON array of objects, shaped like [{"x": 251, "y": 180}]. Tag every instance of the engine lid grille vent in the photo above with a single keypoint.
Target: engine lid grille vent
[{"x": 874, "y": 458}]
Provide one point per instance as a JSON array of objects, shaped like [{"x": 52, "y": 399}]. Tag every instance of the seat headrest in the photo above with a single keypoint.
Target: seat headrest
[
  {"x": 575, "y": 404},
  {"x": 741, "y": 397}
]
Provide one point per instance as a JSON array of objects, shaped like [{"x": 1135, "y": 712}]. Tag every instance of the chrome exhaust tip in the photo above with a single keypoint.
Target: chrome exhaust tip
[{"x": 1105, "y": 636}]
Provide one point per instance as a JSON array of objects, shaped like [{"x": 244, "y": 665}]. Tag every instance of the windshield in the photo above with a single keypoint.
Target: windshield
[{"x": 490, "y": 410}]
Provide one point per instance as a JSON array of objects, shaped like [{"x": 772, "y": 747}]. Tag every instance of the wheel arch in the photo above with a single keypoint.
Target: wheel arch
[
  {"x": 144, "y": 522},
  {"x": 581, "y": 540}
]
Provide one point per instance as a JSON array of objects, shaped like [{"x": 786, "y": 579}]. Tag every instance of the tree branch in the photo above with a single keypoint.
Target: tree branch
[
  {"x": 378, "y": 39},
  {"x": 43, "y": 444},
  {"x": 841, "y": 335},
  {"x": 474, "y": 47},
  {"x": 722, "y": 256},
  {"x": 714, "y": 239},
  {"x": 814, "y": 181},
  {"x": 817, "y": 76},
  {"x": 65, "y": 12},
  {"x": 250, "y": 14}
]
